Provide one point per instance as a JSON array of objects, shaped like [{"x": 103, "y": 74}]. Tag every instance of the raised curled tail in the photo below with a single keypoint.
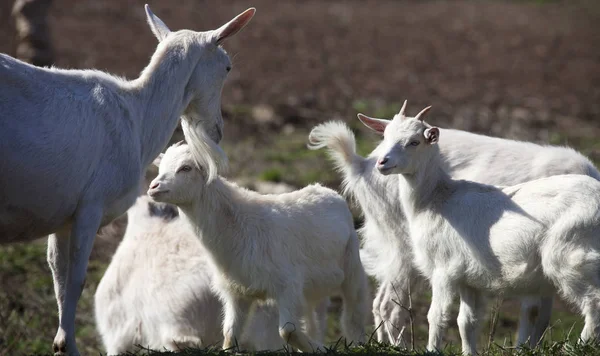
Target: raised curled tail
[{"x": 339, "y": 141}]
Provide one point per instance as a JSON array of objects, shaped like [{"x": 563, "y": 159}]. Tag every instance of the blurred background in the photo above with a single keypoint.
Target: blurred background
[{"x": 524, "y": 69}]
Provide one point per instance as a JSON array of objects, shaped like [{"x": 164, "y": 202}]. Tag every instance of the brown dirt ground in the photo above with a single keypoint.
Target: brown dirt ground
[
  {"x": 495, "y": 67},
  {"x": 514, "y": 69}
]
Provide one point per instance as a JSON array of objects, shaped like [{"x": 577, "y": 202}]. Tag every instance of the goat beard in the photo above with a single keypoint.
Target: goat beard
[{"x": 206, "y": 153}]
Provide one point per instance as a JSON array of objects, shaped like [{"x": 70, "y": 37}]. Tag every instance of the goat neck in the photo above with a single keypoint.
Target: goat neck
[
  {"x": 429, "y": 182},
  {"x": 160, "y": 92},
  {"x": 214, "y": 215}
]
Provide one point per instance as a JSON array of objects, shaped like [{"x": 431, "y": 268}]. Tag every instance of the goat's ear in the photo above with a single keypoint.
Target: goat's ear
[
  {"x": 377, "y": 125},
  {"x": 234, "y": 26},
  {"x": 432, "y": 135},
  {"x": 158, "y": 159},
  {"x": 160, "y": 30}
]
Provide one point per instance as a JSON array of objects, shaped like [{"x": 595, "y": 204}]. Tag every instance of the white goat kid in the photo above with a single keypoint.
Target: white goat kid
[
  {"x": 386, "y": 252},
  {"x": 75, "y": 144},
  {"x": 157, "y": 290},
  {"x": 473, "y": 239},
  {"x": 294, "y": 248}
]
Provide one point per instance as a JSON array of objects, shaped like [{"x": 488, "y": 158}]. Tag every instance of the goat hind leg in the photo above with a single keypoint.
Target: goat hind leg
[
  {"x": 394, "y": 311},
  {"x": 574, "y": 271},
  {"x": 590, "y": 308},
  {"x": 310, "y": 322},
  {"x": 377, "y": 319},
  {"x": 321, "y": 311}
]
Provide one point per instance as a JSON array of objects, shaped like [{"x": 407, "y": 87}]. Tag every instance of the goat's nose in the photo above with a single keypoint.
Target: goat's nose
[
  {"x": 154, "y": 185},
  {"x": 383, "y": 161}
]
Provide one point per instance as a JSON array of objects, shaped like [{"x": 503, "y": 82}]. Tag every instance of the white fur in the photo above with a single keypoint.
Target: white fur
[
  {"x": 294, "y": 248},
  {"x": 386, "y": 251},
  {"x": 478, "y": 240},
  {"x": 75, "y": 143},
  {"x": 157, "y": 291}
]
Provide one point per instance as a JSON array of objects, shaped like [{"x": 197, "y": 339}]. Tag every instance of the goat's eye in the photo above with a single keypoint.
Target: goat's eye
[
  {"x": 184, "y": 169},
  {"x": 415, "y": 143},
  {"x": 228, "y": 68}
]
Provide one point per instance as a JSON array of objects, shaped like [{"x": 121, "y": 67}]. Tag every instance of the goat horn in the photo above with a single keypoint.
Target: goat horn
[
  {"x": 423, "y": 112},
  {"x": 401, "y": 113}
]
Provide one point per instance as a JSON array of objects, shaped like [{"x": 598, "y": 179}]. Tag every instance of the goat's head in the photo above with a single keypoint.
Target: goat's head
[
  {"x": 179, "y": 179},
  {"x": 406, "y": 141},
  {"x": 203, "y": 90}
]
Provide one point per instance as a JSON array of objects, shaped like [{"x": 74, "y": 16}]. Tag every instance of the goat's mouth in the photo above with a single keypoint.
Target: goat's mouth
[
  {"x": 155, "y": 193},
  {"x": 215, "y": 132},
  {"x": 385, "y": 170}
]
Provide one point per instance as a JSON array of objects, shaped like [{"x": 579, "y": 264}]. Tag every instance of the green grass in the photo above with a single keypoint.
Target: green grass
[
  {"x": 271, "y": 175},
  {"x": 374, "y": 348},
  {"x": 28, "y": 312},
  {"x": 28, "y": 316}
]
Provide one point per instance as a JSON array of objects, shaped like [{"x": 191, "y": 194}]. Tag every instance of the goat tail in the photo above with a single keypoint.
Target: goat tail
[
  {"x": 355, "y": 293},
  {"x": 339, "y": 141}
]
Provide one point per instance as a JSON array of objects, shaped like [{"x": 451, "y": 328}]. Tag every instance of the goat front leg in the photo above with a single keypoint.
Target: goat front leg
[
  {"x": 542, "y": 321},
  {"x": 472, "y": 311},
  {"x": 534, "y": 319},
  {"x": 290, "y": 328},
  {"x": 69, "y": 277},
  {"x": 58, "y": 260},
  {"x": 438, "y": 316},
  {"x": 236, "y": 310}
]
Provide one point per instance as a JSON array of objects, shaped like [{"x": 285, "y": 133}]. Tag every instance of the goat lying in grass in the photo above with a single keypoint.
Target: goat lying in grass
[
  {"x": 295, "y": 248},
  {"x": 386, "y": 252},
  {"x": 157, "y": 291},
  {"x": 474, "y": 240},
  {"x": 75, "y": 144}
]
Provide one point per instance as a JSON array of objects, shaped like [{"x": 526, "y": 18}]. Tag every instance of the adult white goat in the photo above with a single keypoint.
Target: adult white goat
[
  {"x": 157, "y": 291},
  {"x": 386, "y": 252},
  {"x": 474, "y": 239},
  {"x": 295, "y": 248},
  {"x": 75, "y": 143}
]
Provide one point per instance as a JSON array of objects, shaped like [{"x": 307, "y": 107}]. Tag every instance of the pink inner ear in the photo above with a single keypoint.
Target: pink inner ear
[
  {"x": 377, "y": 126},
  {"x": 372, "y": 123},
  {"x": 236, "y": 24},
  {"x": 432, "y": 134}
]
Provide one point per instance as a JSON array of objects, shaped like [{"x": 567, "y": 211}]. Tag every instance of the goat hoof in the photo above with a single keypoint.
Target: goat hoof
[{"x": 60, "y": 348}]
